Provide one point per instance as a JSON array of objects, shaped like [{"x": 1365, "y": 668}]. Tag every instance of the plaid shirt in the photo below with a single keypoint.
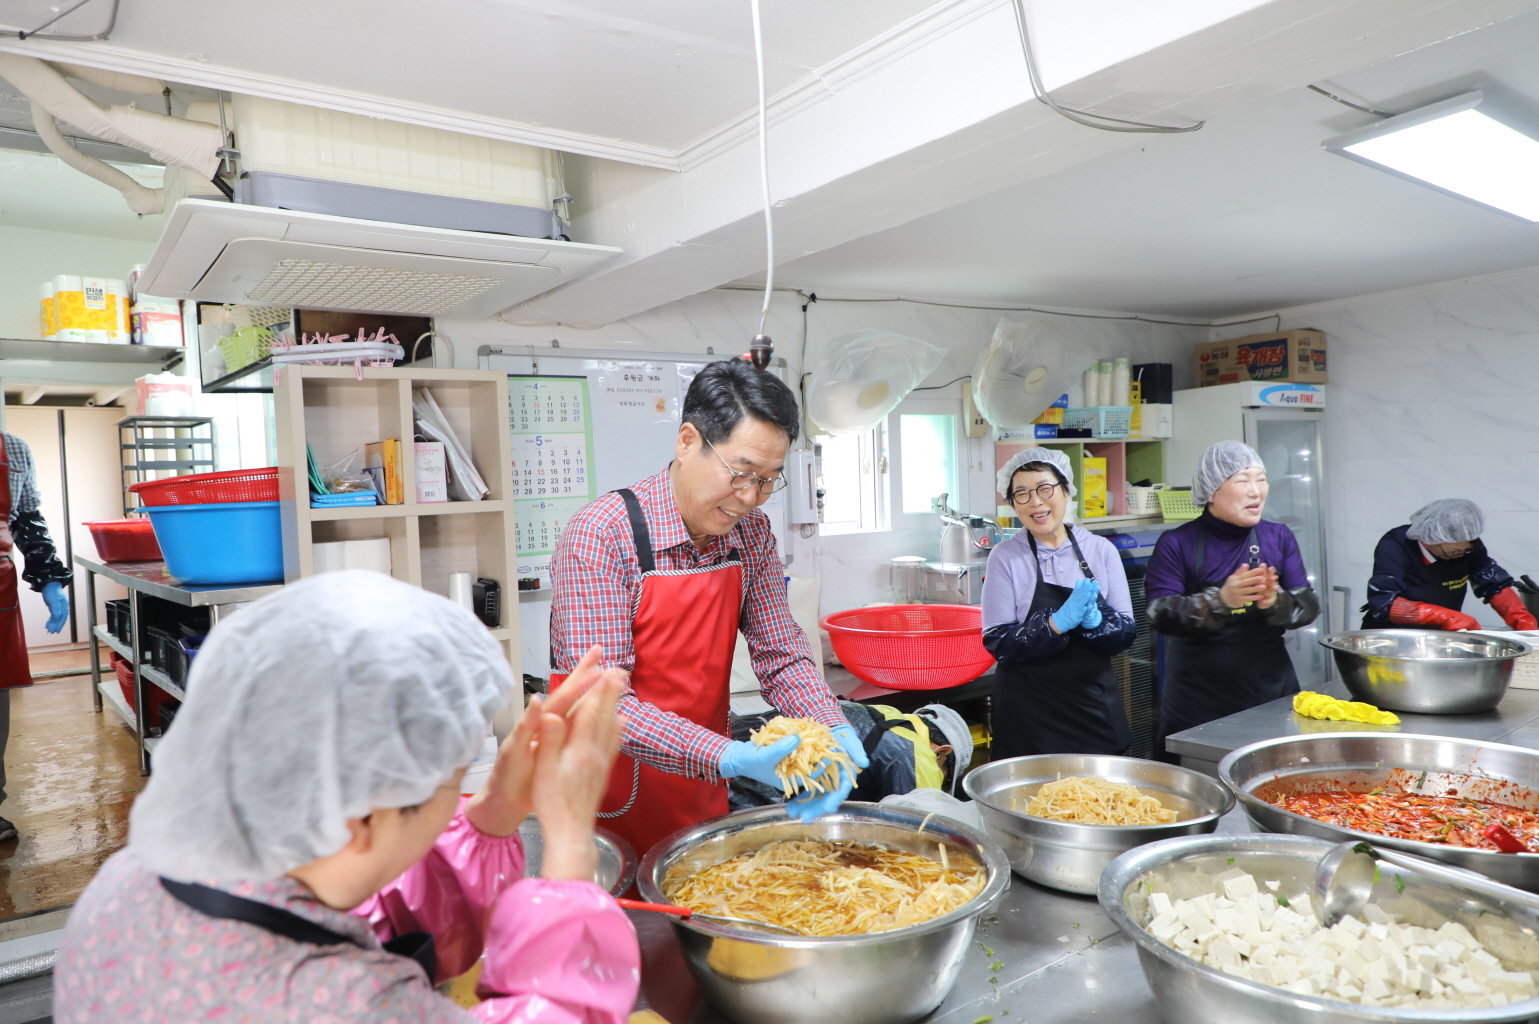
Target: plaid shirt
[
  {"x": 24, "y": 496},
  {"x": 596, "y": 579}
]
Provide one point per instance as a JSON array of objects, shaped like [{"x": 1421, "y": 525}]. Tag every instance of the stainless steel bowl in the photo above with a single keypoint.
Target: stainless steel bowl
[
  {"x": 1193, "y": 993},
  {"x": 616, "y": 860},
  {"x": 884, "y": 978},
  {"x": 1264, "y": 772},
  {"x": 1071, "y": 857},
  {"x": 1425, "y": 670}
]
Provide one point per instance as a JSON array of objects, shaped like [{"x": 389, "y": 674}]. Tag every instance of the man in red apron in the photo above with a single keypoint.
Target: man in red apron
[
  {"x": 22, "y": 529},
  {"x": 663, "y": 575}
]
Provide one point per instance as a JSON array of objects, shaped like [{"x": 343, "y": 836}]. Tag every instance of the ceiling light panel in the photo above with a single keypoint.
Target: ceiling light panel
[{"x": 1457, "y": 147}]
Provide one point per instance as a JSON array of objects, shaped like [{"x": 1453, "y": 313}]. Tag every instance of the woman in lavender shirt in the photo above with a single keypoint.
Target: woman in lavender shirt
[
  {"x": 1055, "y": 609},
  {"x": 1224, "y": 588}
]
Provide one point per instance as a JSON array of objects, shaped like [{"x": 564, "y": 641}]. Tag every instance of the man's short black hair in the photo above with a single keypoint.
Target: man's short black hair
[{"x": 729, "y": 389}]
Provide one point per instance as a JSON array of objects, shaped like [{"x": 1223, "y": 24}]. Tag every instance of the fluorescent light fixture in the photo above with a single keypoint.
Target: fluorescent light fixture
[{"x": 1457, "y": 147}]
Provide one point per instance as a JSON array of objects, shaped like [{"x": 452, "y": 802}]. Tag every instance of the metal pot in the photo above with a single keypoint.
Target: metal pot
[
  {"x": 883, "y": 978},
  {"x": 1063, "y": 855},
  {"x": 616, "y": 861},
  {"x": 1194, "y": 993},
  {"x": 1424, "y": 670},
  {"x": 1262, "y": 772}
]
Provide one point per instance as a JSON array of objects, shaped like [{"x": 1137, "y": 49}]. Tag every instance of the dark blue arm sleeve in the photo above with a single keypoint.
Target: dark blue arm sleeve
[
  {"x": 1031, "y": 640},
  {"x": 1487, "y": 579},
  {"x": 1114, "y": 635},
  {"x": 1390, "y": 564}
]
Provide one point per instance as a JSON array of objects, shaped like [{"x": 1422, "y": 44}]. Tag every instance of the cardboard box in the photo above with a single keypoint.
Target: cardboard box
[
  {"x": 432, "y": 472},
  {"x": 1295, "y": 356},
  {"x": 382, "y": 461},
  {"x": 1096, "y": 498}
]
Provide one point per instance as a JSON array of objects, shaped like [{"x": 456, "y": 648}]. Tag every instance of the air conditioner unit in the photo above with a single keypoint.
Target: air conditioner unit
[{"x": 253, "y": 255}]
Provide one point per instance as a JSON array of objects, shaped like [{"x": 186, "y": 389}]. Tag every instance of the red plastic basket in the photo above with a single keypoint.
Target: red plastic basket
[
  {"x": 211, "y": 488},
  {"x": 911, "y": 646},
  {"x": 154, "y": 695},
  {"x": 125, "y": 540}
]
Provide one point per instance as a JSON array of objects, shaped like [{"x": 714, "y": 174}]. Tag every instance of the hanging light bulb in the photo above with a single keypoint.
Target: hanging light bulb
[{"x": 762, "y": 350}]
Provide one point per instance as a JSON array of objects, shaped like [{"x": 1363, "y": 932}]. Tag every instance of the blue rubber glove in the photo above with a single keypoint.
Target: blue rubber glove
[
  {"x": 806, "y": 806},
  {"x": 756, "y": 762},
  {"x": 58, "y": 605},
  {"x": 1092, "y": 617},
  {"x": 1072, "y": 612}
]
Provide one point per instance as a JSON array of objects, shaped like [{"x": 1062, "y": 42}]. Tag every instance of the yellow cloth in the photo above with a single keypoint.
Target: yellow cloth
[{"x": 1320, "y": 705}]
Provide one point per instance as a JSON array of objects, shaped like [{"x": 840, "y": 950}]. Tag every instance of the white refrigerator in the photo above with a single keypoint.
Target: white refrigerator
[{"x": 1285, "y": 423}]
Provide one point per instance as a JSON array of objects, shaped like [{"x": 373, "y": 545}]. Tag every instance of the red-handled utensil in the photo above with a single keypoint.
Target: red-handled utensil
[
  {"x": 677, "y": 911},
  {"x": 1505, "y": 841}
]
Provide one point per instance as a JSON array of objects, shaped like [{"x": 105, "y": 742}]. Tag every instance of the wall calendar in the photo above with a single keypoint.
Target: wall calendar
[{"x": 552, "y": 434}]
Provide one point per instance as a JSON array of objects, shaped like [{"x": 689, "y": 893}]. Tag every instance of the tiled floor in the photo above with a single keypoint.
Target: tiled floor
[{"x": 72, "y": 779}]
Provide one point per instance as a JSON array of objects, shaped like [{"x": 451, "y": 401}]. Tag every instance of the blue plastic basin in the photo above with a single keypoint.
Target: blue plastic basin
[{"x": 233, "y": 542}]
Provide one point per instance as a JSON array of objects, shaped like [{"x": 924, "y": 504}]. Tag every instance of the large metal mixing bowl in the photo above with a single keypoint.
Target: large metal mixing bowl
[
  {"x": 1193, "y": 993},
  {"x": 1425, "y": 670},
  {"x": 1263, "y": 773},
  {"x": 616, "y": 860},
  {"x": 1063, "y": 855},
  {"x": 883, "y": 978}
]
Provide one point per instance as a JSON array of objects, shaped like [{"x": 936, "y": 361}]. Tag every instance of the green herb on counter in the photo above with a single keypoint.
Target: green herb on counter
[
  {"x": 1282, "y": 900},
  {"x": 996, "y": 965},
  {"x": 1229, "y": 861},
  {"x": 986, "y": 950},
  {"x": 1399, "y": 884},
  {"x": 984, "y": 1019}
]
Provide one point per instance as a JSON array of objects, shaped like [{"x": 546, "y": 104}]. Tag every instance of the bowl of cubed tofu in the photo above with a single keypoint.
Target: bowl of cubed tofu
[{"x": 1227, "y": 933}]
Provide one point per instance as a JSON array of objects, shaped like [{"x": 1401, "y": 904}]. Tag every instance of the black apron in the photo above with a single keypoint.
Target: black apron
[
  {"x": 1069, "y": 703},
  {"x": 1242, "y": 665},
  {"x": 415, "y": 946}
]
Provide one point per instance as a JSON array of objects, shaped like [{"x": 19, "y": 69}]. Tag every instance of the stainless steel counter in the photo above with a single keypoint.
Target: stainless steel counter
[
  {"x": 1514, "y": 720},
  {"x": 1063, "y": 962}
]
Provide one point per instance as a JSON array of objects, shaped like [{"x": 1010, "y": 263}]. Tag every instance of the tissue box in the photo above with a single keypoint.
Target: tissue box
[
  {"x": 1152, "y": 421},
  {"x": 1095, "y": 487}
]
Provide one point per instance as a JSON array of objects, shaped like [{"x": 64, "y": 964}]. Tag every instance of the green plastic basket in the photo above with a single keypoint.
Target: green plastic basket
[
  {"x": 244, "y": 347},
  {"x": 1176, "y": 504}
]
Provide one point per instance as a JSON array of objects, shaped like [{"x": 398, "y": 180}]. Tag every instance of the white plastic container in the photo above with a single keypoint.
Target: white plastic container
[{"x": 372, "y": 553}]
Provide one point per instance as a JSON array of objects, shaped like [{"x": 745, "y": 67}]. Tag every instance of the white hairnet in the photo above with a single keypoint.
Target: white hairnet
[
  {"x": 1447, "y": 521},
  {"x": 1051, "y": 456},
  {"x": 341, "y": 693},
  {"x": 1221, "y": 461}
]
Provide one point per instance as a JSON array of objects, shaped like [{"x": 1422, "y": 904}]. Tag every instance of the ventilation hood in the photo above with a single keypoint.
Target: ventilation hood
[{"x": 252, "y": 255}]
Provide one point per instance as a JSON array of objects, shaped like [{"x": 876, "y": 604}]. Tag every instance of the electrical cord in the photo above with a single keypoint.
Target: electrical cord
[
  {"x": 112, "y": 20},
  {"x": 1085, "y": 117},
  {"x": 769, "y": 218},
  {"x": 938, "y": 387},
  {"x": 815, "y": 297},
  {"x": 1348, "y": 103}
]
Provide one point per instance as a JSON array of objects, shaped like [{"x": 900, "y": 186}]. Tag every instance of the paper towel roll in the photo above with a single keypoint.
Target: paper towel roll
[
  {"x": 459, "y": 588},
  {"x": 1120, "y": 383}
]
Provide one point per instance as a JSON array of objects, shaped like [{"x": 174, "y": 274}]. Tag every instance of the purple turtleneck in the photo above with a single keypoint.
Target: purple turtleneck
[{"x": 1171, "y": 572}]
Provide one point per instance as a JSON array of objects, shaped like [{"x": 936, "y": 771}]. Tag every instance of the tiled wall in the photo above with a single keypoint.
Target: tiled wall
[{"x": 1433, "y": 393}]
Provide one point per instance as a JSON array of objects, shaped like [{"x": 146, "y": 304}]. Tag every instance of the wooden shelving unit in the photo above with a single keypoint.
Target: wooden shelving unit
[
  {"x": 336, "y": 413},
  {"x": 1126, "y": 459}
]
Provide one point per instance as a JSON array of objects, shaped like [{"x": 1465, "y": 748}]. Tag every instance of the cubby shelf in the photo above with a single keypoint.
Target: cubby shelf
[{"x": 335, "y": 412}]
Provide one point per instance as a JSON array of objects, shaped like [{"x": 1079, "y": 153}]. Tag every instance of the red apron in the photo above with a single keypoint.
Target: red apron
[
  {"x": 684, "y": 628},
  {"x": 14, "y": 668}
]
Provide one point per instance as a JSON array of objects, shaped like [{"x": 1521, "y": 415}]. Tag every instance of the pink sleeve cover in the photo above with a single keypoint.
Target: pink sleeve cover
[
  {"x": 450, "y": 893},
  {"x": 558, "y": 952}
]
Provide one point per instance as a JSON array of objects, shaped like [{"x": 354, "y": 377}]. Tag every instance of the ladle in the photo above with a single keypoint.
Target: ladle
[
  {"x": 685, "y": 912},
  {"x": 1345, "y": 877}
]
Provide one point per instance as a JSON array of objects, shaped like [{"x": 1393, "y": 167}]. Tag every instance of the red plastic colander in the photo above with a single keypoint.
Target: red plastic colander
[
  {"x": 211, "y": 488},
  {"x": 911, "y": 646}
]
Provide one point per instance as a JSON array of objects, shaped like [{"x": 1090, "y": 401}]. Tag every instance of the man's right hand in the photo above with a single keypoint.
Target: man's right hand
[
  {"x": 756, "y": 762},
  {"x": 1429, "y": 616}
]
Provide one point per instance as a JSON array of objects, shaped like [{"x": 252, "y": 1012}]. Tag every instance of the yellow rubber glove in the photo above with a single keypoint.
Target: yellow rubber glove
[{"x": 1320, "y": 705}]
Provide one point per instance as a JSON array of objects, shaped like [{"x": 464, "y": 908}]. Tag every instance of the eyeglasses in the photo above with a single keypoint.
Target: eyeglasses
[
  {"x": 743, "y": 481},
  {"x": 1022, "y": 495}
]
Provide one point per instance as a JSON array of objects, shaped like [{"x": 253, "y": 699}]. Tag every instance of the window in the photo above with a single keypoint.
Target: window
[
  {"x": 929, "y": 452},
  {"x": 852, "y": 469}
]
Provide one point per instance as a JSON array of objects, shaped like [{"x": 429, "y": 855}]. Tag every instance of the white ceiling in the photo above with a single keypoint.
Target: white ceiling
[
  {"x": 1246, "y": 214},
  {"x": 659, "y": 73}
]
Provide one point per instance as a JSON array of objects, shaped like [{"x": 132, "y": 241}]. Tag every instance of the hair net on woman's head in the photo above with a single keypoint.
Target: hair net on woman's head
[
  {"x": 1058, "y": 460},
  {"x": 342, "y": 693},
  {"x": 1220, "y": 462},
  {"x": 1447, "y": 521}
]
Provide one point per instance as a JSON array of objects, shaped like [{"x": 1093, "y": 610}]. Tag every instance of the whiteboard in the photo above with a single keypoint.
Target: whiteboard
[{"x": 630, "y": 419}]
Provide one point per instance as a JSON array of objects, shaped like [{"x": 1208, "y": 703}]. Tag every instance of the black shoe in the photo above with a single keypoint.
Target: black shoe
[{"x": 7, "y": 830}]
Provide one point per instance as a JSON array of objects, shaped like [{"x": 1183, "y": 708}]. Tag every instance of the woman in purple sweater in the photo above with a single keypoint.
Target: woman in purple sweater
[{"x": 1224, "y": 588}]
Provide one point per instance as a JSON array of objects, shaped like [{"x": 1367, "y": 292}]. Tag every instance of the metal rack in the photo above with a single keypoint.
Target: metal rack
[
  {"x": 189, "y": 440},
  {"x": 149, "y": 579}
]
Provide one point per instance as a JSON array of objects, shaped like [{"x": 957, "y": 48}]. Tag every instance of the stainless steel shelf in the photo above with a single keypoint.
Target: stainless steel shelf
[
  {"x": 151, "y": 578},
  {"x": 88, "y": 352},
  {"x": 113, "y": 699},
  {"x": 160, "y": 679},
  {"x": 113, "y": 642}
]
